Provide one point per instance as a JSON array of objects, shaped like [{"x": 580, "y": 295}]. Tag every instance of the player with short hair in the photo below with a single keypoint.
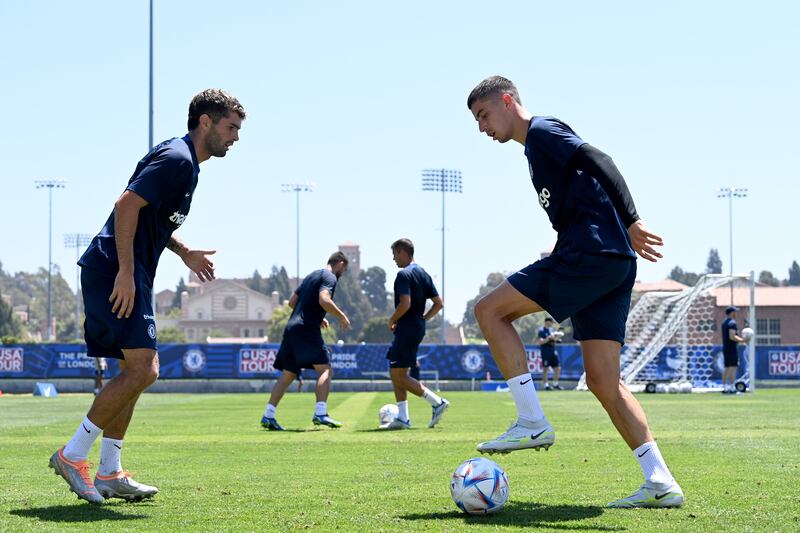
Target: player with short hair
[
  {"x": 413, "y": 287},
  {"x": 730, "y": 349},
  {"x": 588, "y": 278},
  {"x": 547, "y": 339},
  {"x": 117, "y": 273},
  {"x": 302, "y": 345}
]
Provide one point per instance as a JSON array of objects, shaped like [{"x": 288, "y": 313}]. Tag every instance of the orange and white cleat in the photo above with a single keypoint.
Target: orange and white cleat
[
  {"x": 122, "y": 485},
  {"x": 76, "y": 474}
]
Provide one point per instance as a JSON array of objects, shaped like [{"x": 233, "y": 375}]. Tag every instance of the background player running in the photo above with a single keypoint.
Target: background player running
[
  {"x": 588, "y": 278},
  {"x": 302, "y": 345}
]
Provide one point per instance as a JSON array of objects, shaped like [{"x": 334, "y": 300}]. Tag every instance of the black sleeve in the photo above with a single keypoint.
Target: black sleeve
[{"x": 601, "y": 167}]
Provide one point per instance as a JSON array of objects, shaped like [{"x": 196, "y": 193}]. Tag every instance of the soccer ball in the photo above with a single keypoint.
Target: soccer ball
[
  {"x": 747, "y": 333},
  {"x": 479, "y": 486},
  {"x": 388, "y": 413},
  {"x": 558, "y": 334}
]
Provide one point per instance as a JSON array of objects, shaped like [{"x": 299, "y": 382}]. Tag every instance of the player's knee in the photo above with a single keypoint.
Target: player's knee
[
  {"x": 602, "y": 388},
  {"x": 484, "y": 313}
]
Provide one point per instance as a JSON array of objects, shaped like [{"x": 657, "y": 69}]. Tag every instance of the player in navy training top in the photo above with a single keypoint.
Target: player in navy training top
[
  {"x": 302, "y": 345},
  {"x": 547, "y": 338},
  {"x": 413, "y": 287},
  {"x": 588, "y": 278},
  {"x": 117, "y": 272},
  {"x": 730, "y": 349}
]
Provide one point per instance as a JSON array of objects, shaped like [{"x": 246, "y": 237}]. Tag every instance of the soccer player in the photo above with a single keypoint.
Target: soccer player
[
  {"x": 730, "y": 352},
  {"x": 413, "y": 287},
  {"x": 588, "y": 277},
  {"x": 302, "y": 345},
  {"x": 100, "y": 367},
  {"x": 547, "y": 339},
  {"x": 117, "y": 275}
]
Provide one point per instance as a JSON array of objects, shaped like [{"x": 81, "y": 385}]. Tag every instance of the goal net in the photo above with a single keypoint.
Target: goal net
[{"x": 669, "y": 343}]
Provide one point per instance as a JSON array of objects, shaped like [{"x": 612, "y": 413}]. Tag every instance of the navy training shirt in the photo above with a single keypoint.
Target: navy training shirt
[
  {"x": 729, "y": 346},
  {"x": 414, "y": 281},
  {"x": 578, "y": 208},
  {"x": 548, "y": 348},
  {"x": 307, "y": 314},
  {"x": 166, "y": 178}
]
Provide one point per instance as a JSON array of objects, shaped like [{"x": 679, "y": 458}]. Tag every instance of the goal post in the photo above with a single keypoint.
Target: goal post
[{"x": 669, "y": 343}]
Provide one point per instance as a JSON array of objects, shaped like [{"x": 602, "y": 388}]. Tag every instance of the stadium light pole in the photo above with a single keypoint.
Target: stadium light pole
[
  {"x": 50, "y": 185},
  {"x": 730, "y": 193},
  {"x": 442, "y": 180},
  {"x": 297, "y": 188},
  {"x": 150, "y": 114},
  {"x": 77, "y": 241}
]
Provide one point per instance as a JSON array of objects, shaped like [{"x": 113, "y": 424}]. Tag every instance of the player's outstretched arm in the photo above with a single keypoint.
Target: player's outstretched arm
[
  {"x": 126, "y": 218},
  {"x": 327, "y": 303},
  {"x": 643, "y": 241},
  {"x": 437, "y": 306},
  {"x": 196, "y": 260}
]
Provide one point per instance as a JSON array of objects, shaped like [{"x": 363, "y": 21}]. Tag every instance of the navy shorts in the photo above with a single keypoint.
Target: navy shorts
[
  {"x": 299, "y": 351},
  {"x": 403, "y": 351},
  {"x": 550, "y": 360},
  {"x": 731, "y": 359},
  {"x": 105, "y": 334},
  {"x": 593, "y": 290}
]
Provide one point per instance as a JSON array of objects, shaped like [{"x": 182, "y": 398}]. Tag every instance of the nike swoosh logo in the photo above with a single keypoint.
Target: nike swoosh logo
[
  {"x": 644, "y": 452},
  {"x": 534, "y": 437},
  {"x": 524, "y": 382},
  {"x": 84, "y": 427},
  {"x": 118, "y": 447},
  {"x": 188, "y": 194},
  {"x": 659, "y": 496}
]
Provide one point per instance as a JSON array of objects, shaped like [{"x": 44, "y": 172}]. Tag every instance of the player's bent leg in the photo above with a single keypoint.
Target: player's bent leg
[
  {"x": 398, "y": 377},
  {"x": 139, "y": 372},
  {"x": 268, "y": 420},
  {"x": 323, "y": 389}
]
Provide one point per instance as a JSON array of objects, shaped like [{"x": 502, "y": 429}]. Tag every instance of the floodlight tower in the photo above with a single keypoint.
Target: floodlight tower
[
  {"x": 730, "y": 193},
  {"x": 297, "y": 188},
  {"x": 78, "y": 241},
  {"x": 50, "y": 185},
  {"x": 442, "y": 180}
]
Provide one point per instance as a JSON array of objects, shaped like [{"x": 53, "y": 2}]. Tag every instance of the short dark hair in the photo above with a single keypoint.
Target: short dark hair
[
  {"x": 215, "y": 103},
  {"x": 549, "y": 319},
  {"x": 338, "y": 257},
  {"x": 491, "y": 86},
  {"x": 404, "y": 245}
]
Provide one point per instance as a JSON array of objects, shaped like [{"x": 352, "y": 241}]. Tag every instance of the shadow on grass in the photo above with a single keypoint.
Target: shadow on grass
[
  {"x": 525, "y": 514},
  {"x": 387, "y": 431},
  {"x": 82, "y": 512}
]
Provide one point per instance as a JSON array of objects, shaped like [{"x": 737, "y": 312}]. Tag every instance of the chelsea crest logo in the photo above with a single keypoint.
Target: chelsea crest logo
[
  {"x": 472, "y": 361},
  {"x": 194, "y": 361}
]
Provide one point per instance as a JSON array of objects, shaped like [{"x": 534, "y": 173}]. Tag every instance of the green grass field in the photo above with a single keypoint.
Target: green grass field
[{"x": 737, "y": 459}]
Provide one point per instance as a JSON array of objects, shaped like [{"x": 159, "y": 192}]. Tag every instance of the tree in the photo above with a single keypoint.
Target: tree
[
  {"x": 471, "y": 328},
  {"x": 277, "y": 281},
  {"x": 180, "y": 288},
  {"x": 376, "y": 330},
  {"x": 9, "y": 326},
  {"x": 794, "y": 275},
  {"x": 714, "y": 263},
  {"x": 373, "y": 283},
  {"x": 355, "y": 304},
  {"x": 687, "y": 278},
  {"x": 172, "y": 335},
  {"x": 767, "y": 278}
]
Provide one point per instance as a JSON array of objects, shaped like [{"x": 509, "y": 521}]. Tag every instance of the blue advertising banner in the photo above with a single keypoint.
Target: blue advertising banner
[{"x": 353, "y": 361}]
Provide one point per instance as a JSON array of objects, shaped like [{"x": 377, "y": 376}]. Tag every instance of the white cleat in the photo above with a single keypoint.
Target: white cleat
[
  {"x": 122, "y": 485},
  {"x": 521, "y": 435},
  {"x": 438, "y": 412},
  {"x": 652, "y": 495},
  {"x": 397, "y": 424}
]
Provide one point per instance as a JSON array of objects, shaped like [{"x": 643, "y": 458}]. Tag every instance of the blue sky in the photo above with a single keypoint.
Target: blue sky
[{"x": 359, "y": 97}]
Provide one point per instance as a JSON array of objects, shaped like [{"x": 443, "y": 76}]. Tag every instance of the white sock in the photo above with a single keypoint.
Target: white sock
[
  {"x": 77, "y": 449},
  {"x": 321, "y": 408},
  {"x": 269, "y": 412},
  {"x": 402, "y": 410},
  {"x": 528, "y": 407},
  {"x": 430, "y": 396},
  {"x": 653, "y": 466},
  {"x": 110, "y": 450}
]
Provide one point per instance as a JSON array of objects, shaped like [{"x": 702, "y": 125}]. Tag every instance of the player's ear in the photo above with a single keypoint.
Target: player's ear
[{"x": 507, "y": 99}]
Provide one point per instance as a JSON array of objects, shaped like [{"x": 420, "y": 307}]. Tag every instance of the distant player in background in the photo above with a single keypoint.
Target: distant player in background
[
  {"x": 117, "y": 273},
  {"x": 302, "y": 345},
  {"x": 730, "y": 350},
  {"x": 300, "y": 381},
  {"x": 100, "y": 367},
  {"x": 547, "y": 339},
  {"x": 413, "y": 287},
  {"x": 588, "y": 277}
]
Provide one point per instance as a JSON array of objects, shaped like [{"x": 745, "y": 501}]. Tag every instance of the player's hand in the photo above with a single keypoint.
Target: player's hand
[
  {"x": 392, "y": 325},
  {"x": 325, "y": 323},
  {"x": 344, "y": 322},
  {"x": 122, "y": 297},
  {"x": 201, "y": 265},
  {"x": 643, "y": 241}
]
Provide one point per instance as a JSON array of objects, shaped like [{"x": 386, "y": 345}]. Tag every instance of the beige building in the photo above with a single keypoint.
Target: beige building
[
  {"x": 353, "y": 254},
  {"x": 227, "y": 308}
]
